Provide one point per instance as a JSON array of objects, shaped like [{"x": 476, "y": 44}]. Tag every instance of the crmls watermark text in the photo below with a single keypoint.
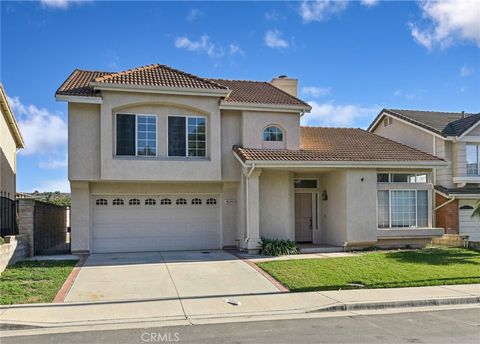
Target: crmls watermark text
[{"x": 158, "y": 337}]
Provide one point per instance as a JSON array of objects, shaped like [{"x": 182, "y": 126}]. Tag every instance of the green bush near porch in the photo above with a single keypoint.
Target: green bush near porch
[
  {"x": 278, "y": 247},
  {"x": 33, "y": 281},
  {"x": 427, "y": 267}
]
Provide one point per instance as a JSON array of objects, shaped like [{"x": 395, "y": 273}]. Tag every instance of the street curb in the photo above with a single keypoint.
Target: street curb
[
  {"x": 63, "y": 291},
  {"x": 357, "y": 306}
]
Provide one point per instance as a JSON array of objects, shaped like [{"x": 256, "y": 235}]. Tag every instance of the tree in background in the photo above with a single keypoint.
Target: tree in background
[{"x": 476, "y": 211}]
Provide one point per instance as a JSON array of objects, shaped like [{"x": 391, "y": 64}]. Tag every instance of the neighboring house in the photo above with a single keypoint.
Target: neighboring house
[
  {"x": 164, "y": 160},
  {"x": 10, "y": 141},
  {"x": 454, "y": 137}
]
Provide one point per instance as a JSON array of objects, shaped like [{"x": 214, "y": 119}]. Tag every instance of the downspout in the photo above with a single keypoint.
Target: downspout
[
  {"x": 247, "y": 238},
  {"x": 444, "y": 204}
]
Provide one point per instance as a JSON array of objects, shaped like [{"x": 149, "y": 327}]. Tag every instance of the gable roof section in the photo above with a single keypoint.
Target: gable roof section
[
  {"x": 158, "y": 75},
  {"x": 10, "y": 119},
  {"x": 339, "y": 145},
  {"x": 441, "y": 123},
  {"x": 82, "y": 83},
  {"x": 258, "y": 92}
]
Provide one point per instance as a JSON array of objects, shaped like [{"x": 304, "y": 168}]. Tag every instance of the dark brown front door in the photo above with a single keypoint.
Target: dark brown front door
[{"x": 303, "y": 217}]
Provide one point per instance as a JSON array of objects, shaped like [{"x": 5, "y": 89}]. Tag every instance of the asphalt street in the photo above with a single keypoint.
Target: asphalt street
[{"x": 460, "y": 326}]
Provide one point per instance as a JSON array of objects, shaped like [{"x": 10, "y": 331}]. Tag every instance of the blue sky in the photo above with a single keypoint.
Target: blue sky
[{"x": 351, "y": 58}]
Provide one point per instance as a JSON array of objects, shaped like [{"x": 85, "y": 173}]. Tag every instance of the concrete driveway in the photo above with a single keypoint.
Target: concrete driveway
[{"x": 166, "y": 276}]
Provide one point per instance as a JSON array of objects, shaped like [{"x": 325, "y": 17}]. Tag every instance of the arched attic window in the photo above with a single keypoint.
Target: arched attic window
[{"x": 273, "y": 133}]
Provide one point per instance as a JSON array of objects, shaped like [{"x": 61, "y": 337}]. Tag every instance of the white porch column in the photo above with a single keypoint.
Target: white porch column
[{"x": 252, "y": 210}]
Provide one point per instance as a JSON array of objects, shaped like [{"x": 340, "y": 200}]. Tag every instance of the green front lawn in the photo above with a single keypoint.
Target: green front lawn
[
  {"x": 33, "y": 281},
  {"x": 433, "y": 266}
]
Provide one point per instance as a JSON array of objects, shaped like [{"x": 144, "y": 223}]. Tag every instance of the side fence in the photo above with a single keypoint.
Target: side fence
[{"x": 8, "y": 217}]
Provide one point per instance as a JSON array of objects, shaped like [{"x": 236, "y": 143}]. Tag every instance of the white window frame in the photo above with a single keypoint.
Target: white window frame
[
  {"x": 186, "y": 138},
  {"x": 478, "y": 158},
  {"x": 416, "y": 208},
  {"x": 273, "y": 126},
  {"x": 136, "y": 134},
  {"x": 416, "y": 173}
]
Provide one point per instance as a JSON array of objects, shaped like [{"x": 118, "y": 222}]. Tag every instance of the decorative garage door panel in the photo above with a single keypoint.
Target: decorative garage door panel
[
  {"x": 155, "y": 223},
  {"x": 468, "y": 225}
]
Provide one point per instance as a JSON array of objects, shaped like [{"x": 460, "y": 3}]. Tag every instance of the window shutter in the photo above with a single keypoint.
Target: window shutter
[
  {"x": 176, "y": 136},
  {"x": 125, "y": 134}
]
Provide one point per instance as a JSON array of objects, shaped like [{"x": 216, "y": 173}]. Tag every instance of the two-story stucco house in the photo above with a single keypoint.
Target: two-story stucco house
[
  {"x": 164, "y": 160},
  {"x": 10, "y": 142},
  {"x": 455, "y": 137}
]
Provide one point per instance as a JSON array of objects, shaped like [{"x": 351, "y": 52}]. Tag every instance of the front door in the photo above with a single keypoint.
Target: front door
[{"x": 303, "y": 217}]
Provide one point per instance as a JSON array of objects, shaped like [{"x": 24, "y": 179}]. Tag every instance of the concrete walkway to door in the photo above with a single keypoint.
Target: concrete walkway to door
[{"x": 165, "y": 275}]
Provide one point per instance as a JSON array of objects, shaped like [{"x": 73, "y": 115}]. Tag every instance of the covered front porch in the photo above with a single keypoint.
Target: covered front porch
[{"x": 328, "y": 209}]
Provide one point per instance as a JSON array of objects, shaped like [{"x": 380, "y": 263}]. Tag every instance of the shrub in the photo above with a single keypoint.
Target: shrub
[
  {"x": 2, "y": 241},
  {"x": 278, "y": 247}
]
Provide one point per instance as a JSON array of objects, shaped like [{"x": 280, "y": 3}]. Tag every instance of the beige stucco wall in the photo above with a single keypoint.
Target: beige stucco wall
[
  {"x": 80, "y": 217},
  {"x": 277, "y": 208},
  {"x": 231, "y": 135},
  {"x": 160, "y": 168},
  {"x": 333, "y": 212},
  {"x": 83, "y": 141},
  {"x": 253, "y": 123},
  {"x": 7, "y": 159},
  {"x": 406, "y": 134},
  {"x": 361, "y": 212}
]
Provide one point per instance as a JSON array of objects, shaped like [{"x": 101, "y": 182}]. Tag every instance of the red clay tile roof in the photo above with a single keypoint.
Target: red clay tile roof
[
  {"x": 78, "y": 84},
  {"x": 338, "y": 144},
  {"x": 260, "y": 92},
  {"x": 158, "y": 75},
  {"x": 255, "y": 92}
]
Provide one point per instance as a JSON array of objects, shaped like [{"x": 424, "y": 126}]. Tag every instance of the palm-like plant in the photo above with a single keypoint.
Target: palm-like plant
[{"x": 476, "y": 211}]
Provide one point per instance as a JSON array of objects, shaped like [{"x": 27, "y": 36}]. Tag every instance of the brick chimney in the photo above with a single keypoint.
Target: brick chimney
[{"x": 286, "y": 84}]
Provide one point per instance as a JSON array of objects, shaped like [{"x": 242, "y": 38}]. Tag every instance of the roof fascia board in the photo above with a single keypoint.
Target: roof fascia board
[
  {"x": 469, "y": 139},
  {"x": 78, "y": 99},
  {"x": 385, "y": 112},
  {"x": 263, "y": 107},
  {"x": 11, "y": 120},
  {"x": 160, "y": 89}
]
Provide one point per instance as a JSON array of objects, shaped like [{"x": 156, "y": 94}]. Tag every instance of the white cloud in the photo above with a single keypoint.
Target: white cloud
[
  {"x": 320, "y": 10},
  {"x": 62, "y": 4},
  {"x": 411, "y": 94},
  {"x": 314, "y": 91},
  {"x": 446, "y": 22},
  {"x": 53, "y": 164},
  {"x": 203, "y": 45},
  {"x": 369, "y": 3},
  {"x": 235, "y": 49},
  {"x": 273, "y": 15},
  {"x": 332, "y": 115},
  {"x": 43, "y": 131},
  {"x": 273, "y": 39},
  {"x": 194, "y": 14},
  {"x": 466, "y": 71},
  {"x": 61, "y": 185}
]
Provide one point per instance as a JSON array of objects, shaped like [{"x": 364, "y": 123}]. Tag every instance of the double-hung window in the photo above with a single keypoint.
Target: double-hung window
[
  {"x": 136, "y": 135},
  {"x": 473, "y": 159},
  {"x": 187, "y": 136},
  {"x": 402, "y": 208}
]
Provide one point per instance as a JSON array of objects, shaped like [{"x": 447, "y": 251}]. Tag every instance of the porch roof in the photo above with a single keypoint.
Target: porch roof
[{"x": 341, "y": 146}]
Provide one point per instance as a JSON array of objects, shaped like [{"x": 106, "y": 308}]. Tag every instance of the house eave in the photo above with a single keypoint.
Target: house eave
[
  {"x": 10, "y": 119},
  {"x": 225, "y": 105},
  {"x": 78, "y": 99},
  {"x": 160, "y": 89}
]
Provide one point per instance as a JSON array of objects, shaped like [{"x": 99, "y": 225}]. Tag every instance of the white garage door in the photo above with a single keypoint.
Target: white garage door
[
  {"x": 155, "y": 223},
  {"x": 468, "y": 225}
]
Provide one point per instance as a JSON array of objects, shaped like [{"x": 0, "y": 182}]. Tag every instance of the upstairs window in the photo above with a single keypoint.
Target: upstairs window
[
  {"x": 187, "y": 136},
  {"x": 272, "y": 133},
  {"x": 136, "y": 135},
  {"x": 473, "y": 159}
]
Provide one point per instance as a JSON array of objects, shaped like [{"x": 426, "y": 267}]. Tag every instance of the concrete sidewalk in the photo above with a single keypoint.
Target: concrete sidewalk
[{"x": 215, "y": 307}]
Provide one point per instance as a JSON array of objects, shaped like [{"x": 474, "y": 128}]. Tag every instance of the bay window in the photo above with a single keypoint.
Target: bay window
[
  {"x": 402, "y": 208},
  {"x": 473, "y": 159}
]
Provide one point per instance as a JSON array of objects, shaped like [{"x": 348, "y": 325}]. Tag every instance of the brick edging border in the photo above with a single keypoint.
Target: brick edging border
[
  {"x": 63, "y": 291},
  {"x": 272, "y": 280}
]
